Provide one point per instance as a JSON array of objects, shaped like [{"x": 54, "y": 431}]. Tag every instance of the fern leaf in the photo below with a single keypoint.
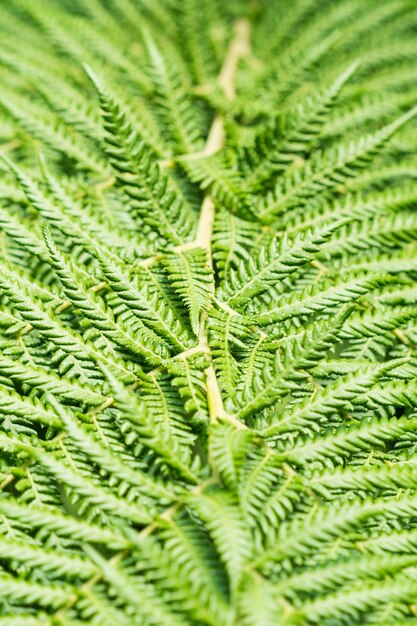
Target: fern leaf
[
  {"x": 208, "y": 400},
  {"x": 191, "y": 278},
  {"x": 220, "y": 513},
  {"x": 174, "y": 101},
  {"x": 328, "y": 170},
  {"x": 142, "y": 179},
  {"x": 277, "y": 148},
  {"x": 275, "y": 259}
]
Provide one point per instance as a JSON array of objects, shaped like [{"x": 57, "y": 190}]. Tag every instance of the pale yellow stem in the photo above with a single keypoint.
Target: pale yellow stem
[{"x": 215, "y": 142}]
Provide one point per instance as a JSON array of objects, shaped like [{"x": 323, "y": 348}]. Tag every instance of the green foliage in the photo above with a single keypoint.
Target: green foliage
[{"x": 208, "y": 313}]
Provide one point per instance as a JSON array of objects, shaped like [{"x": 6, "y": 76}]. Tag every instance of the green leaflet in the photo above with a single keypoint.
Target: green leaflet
[
  {"x": 100, "y": 318},
  {"x": 278, "y": 147},
  {"x": 275, "y": 259},
  {"x": 143, "y": 181},
  {"x": 175, "y": 103},
  {"x": 328, "y": 170},
  {"x": 219, "y": 513},
  {"x": 191, "y": 277},
  {"x": 208, "y": 320}
]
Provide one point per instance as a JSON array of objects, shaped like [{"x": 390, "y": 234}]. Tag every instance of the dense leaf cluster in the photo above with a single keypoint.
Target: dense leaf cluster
[{"x": 208, "y": 320}]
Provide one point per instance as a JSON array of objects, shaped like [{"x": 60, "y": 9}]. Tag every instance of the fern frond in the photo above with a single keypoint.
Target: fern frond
[
  {"x": 277, "y": 148},
  {"x": 208, "y": 399},
  {"x": 275, "y": 260},
  {"x": 190, "y": 276},
  {"x": 327, "y": 170},
  {"x": 219, "y": 513},
  {"x": 174, "y": 102}
]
